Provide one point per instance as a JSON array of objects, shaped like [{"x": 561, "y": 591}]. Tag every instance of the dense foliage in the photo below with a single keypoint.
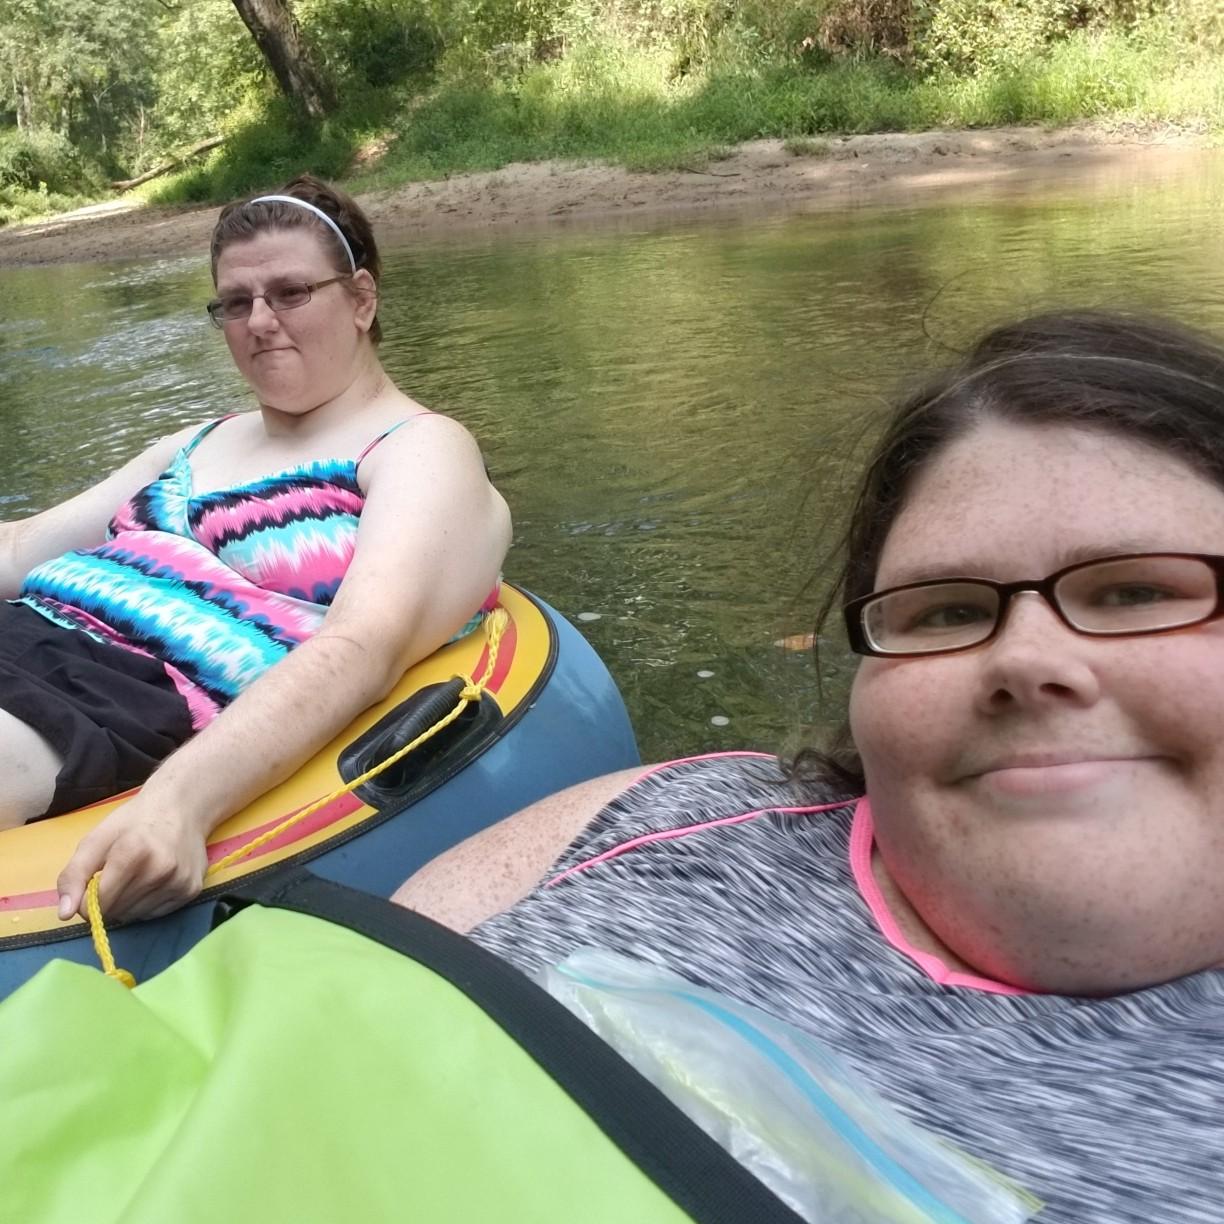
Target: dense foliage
[{"x": 100, "y": 90}]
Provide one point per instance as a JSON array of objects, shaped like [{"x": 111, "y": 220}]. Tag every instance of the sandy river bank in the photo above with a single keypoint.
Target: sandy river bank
[{"x": 761, "y": 175}]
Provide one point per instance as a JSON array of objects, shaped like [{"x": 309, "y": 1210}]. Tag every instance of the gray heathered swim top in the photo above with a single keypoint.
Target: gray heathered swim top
[{"x": 1109, "y": 1110}]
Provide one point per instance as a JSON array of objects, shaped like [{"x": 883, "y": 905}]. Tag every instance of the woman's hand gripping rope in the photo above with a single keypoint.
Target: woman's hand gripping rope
[{"x": 177, "y": 858}]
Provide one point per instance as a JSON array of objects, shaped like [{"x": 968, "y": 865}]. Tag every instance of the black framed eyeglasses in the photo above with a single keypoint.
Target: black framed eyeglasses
[
  {"x": 233, "y": 306},
  {"x": 1118, "y": 596}
]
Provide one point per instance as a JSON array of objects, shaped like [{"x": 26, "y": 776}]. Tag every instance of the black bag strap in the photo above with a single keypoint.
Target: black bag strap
[{"x": 674, "y": 1152}]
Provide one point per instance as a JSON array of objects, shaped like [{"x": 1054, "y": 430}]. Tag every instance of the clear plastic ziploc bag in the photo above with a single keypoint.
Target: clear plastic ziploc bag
[{"x": 780, "y": 1102}]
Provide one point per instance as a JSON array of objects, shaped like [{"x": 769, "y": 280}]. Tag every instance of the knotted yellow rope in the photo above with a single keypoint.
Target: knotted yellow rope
[{"x": 494, "y": 624}]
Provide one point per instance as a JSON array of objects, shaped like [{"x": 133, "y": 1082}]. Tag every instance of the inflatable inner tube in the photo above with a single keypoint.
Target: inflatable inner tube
[{"x": 551, "y": 717}]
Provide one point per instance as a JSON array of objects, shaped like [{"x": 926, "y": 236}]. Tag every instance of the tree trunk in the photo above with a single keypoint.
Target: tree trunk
[
  {"x": 275, "y": 30},
  {"x": 202, "y": 147},
  {"x": 25, "y": 107}
]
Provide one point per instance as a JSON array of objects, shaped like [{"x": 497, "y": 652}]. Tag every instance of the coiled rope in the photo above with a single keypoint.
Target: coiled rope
[{"x": 494, "y": 625}]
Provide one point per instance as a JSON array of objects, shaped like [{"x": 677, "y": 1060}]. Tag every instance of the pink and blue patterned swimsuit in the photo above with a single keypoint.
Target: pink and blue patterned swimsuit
[{"x": 218, "y": 586}]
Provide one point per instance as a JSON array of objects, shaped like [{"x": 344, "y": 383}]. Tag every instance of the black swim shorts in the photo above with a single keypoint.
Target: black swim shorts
[{"x": 112, "y": 715}]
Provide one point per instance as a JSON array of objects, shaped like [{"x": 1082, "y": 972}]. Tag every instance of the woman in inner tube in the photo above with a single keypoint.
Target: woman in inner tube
[
  {"x": 207, "y": 617},
  {"x": 1006, "y": 907}
]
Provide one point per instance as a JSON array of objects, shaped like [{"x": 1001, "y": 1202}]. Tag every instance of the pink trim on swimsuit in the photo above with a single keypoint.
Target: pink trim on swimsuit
[
  {"x": 862, "y": 841},
  {"x": 689, "y": 760},
  {"x": 671, "y": 834}
]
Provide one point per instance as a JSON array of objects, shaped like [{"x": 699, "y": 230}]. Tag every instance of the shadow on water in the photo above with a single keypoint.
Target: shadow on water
[{"x": 674, "y": 414}]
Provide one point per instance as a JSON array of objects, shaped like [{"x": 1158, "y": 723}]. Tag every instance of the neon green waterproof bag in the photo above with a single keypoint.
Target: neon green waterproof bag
[{"x": 326, "y": 1056}]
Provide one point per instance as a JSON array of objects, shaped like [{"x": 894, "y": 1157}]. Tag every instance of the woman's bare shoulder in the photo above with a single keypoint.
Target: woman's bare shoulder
[{"x": 489, "y": 872}]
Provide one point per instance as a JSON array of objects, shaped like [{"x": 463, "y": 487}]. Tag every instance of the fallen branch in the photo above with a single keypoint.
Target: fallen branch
[{"x": 127, "y": 184}]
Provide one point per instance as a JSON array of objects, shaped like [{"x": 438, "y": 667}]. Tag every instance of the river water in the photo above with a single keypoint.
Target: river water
[{"x": 673, "y": 411}]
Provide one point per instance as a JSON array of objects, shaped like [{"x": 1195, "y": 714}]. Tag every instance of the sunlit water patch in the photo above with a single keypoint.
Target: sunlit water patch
[{"x": 673, "y": 413}]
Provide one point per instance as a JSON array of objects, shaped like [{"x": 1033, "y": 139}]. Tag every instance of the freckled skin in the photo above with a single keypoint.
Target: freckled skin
[
  {"x": 489, "y": 872},
  {"x": 1102, "y": 887}
]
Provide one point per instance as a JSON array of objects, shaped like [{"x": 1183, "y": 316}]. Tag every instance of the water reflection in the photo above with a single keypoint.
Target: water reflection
[{"x": 674, "y": 414}]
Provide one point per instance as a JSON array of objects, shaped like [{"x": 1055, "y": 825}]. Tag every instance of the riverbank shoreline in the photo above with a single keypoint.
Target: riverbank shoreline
[{"x": 762, "y": 176}]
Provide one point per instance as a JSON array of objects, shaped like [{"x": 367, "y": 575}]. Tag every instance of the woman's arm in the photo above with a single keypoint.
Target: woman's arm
[
  {"x": 432, "y": 537},
  {"x": 79, "y": 522},
  {"x": 489, "y": 872}
]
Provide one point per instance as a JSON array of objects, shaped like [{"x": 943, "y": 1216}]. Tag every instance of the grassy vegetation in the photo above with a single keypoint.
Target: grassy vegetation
[
  {"x": 658, "y": 84},
  {"x": 42, "y": 174},
  {"x": 805, "y": 146},
  {"x": 624, "y": 104},
  {"x": 22, "y": 204}
]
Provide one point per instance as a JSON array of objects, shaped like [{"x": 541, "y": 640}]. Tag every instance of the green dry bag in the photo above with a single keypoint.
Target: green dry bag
[{"x": 326, "y": 1056}]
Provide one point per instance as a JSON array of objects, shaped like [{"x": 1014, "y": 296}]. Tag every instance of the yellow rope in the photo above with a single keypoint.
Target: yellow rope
[
  {"x": 101, "y": 941},
  {"x": 495, "y": 624}
]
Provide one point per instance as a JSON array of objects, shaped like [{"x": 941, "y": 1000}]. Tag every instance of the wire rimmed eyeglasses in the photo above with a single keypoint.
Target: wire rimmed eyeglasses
[
  {"x": 1125, "y": 595},
  {"x": 230, "y": 307}
]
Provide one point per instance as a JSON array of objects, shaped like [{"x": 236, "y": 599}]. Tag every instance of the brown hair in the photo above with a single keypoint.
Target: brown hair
[
  {"x": 244, "y": 219},
  {"x": 1147, "y": 380}
]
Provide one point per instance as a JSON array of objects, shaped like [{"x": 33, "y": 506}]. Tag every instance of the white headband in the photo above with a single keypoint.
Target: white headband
[{"x": 318, "y": 212}]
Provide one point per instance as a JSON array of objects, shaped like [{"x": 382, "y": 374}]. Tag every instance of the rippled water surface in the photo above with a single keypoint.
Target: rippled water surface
[{"x": 672, "y": 412}]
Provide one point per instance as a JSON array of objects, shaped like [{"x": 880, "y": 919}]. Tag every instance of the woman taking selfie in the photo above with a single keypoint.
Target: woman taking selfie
[
  {"x": 1005, "y": 906},
  {"x": 245, "y": 588}
]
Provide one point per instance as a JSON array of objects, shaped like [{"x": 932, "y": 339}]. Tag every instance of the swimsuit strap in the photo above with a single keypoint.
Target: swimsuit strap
[
  {"x": 203, "y": 433},
  {"x": 386, "y": 433}
]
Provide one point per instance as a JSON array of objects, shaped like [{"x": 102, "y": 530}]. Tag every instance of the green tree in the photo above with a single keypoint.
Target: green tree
[
  {"x": 207, "y": 68},
  {"x": 276, "y": 32},
  {"x": 76, "y": 67}
]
